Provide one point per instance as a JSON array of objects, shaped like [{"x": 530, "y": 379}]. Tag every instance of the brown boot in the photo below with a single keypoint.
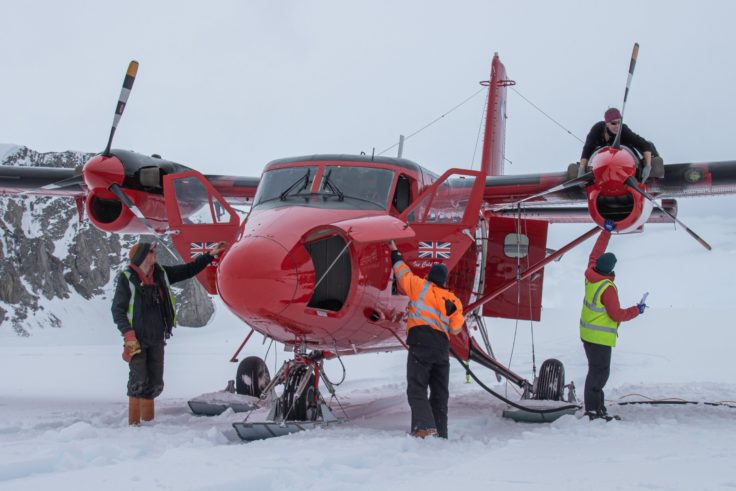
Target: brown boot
[
  {"x": 147, "y": 410},
  {"x": 134, "y": 411},
  {"x": 427, "y": 433}
]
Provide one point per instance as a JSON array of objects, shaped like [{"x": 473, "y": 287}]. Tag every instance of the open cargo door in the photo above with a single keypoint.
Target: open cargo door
[
  {"x": 199, "y": 218},
  {"x": 444, "y": 218},
  {"x": 514, "y": 245},
  {"x": 364, "y": 230}
]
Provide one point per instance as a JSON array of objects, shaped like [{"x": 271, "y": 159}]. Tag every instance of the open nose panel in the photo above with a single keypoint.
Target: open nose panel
[{"x": 199, "y": 218}]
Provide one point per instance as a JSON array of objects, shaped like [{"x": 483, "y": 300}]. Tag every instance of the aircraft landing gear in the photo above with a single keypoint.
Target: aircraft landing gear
[
  {"x": 548, "y": 393},
  {"x": 299, "y": 407}
]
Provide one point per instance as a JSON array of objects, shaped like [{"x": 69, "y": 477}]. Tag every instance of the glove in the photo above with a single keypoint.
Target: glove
[
  {"x": 641, "y": 307},
  {"x": 645, "y": 173},
  {"x": 609, "y": 225},
  {"x": 450, "y": 307},
  {"x": 131, "y": 347}
]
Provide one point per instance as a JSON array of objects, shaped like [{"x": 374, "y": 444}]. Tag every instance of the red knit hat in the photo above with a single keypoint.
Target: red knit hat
[{"x": 612, "y": 114}]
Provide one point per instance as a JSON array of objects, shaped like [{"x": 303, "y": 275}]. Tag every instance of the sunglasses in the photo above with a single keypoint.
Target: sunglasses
[{"x": 615, "y": 123}]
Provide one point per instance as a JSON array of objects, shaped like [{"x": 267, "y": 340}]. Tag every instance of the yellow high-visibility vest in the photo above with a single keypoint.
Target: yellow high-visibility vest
[{"x": 596, "y": 326}]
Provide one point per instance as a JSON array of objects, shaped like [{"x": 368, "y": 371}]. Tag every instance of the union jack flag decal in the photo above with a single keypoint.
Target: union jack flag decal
[
  {"x": 434, "y": 250},
  {"x": 198, "y": 248}
]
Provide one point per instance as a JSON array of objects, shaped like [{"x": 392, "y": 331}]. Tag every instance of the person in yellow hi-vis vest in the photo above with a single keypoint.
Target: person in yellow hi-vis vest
[
  {"x": 143, "y": 310},
  {"x": 435, "y": 313},
  {"x": 599, "y": 321}
]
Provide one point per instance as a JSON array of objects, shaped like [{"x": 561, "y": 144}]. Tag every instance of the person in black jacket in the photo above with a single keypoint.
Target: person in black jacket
[
  {"x": 604, "y": 132},
  {"x": 144, "y": 312}
]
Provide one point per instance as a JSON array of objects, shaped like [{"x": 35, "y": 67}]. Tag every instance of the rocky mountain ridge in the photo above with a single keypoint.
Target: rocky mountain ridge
[{"x": 48, "y": 254}]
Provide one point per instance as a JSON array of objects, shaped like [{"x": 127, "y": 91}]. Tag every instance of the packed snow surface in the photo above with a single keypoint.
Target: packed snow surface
[{"x": 64, "y": 409}]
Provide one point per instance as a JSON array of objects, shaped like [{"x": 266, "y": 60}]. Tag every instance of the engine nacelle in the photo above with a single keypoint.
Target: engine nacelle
[
  {"x": 107, "y": 213},
  {"x": 609, "y": 198}
]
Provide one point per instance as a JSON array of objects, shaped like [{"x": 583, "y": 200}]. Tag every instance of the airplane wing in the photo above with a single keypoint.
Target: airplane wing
[
  {"x": 235, "y": 190},
  {"x": 55, "y": 181},
  {"x": 680, "y": 180},
  {"x": 43, "y": 181}
]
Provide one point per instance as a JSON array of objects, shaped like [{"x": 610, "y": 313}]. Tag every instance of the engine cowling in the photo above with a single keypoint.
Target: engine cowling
[
  {"x": 609, "y": 198},
  {"x": 107, "y": 213}
]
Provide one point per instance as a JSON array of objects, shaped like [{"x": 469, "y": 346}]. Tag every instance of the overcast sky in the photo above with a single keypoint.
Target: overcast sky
[{"x": 226, "y": 86}]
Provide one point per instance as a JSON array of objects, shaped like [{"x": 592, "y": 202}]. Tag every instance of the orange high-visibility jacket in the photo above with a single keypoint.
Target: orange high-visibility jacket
[{"x": 427, "y": 302}]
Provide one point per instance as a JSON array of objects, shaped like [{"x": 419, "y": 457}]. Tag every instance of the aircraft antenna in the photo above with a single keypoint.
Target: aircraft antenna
[
  {"x": 434, "y": 120},
  {"x": 632, "y": 65},
  {"x": 122, "y": 100}
]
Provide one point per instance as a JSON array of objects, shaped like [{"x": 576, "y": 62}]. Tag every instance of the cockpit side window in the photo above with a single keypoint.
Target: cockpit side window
[{"x": 402, "y": 195}]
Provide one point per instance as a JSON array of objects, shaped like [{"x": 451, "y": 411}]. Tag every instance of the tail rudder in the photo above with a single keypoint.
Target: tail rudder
[{"x": 495, "y": 132}]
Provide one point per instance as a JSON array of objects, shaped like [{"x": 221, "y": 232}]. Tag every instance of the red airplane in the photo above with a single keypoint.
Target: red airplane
[{"x": 310, "y": 267}]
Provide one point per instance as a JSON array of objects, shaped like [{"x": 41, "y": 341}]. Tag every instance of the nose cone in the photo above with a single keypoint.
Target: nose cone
[{"x": 257, "y": 278}]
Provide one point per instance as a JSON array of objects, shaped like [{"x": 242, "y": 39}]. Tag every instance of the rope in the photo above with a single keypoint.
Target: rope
[
  {"x": 480, "y": 128},
  {"x": 671, "y": 400},
  {"x": 548, "y": 116},
  {"x": 433, "y": 121},
  {"x": 507, "y": 401}
]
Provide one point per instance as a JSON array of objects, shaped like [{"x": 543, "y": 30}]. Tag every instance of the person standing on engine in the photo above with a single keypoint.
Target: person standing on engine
[
  {"x": 599, "y": 321},
  {"x": 144, "y": 312},
  {"x": 434, "y": 314}
]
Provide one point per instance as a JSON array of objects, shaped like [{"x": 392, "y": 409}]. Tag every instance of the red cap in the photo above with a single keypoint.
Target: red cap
[{"x": 612, "y": 115}]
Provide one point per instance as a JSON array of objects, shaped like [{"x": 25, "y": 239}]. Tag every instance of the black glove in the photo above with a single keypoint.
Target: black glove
[
  {"x": 641, "y": 307},
  {"x": 450, "y": 307},
  {"x": 395, "y": 257}
]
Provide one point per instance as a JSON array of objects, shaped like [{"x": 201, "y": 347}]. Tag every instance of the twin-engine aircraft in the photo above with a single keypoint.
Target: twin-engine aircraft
[{"x": 310, "y": 267}]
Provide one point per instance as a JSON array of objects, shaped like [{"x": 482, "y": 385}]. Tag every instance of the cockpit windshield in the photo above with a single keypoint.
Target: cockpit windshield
[
  {"x": 340, "y": 187},
  {"x": 367, "y": 186},
  {"x": 279, "y": 184}
]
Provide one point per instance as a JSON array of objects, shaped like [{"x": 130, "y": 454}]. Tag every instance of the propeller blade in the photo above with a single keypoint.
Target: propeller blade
[
  {"x": 632, "y": 184},
  {"x": 583, "y": 180},
  {"x": 632, "y": 65},
  {"x": 118, "y": 191},
  {"x": 122, "y": 100}
]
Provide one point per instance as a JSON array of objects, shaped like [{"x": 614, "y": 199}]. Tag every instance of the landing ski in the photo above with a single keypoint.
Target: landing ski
[{"x": 216, "y": 403}]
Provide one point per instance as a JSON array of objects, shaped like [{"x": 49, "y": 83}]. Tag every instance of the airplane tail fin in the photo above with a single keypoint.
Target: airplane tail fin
[{"x": 495, "y": 131}]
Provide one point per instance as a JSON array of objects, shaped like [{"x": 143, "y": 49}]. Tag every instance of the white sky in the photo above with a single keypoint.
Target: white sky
[{"x": 226, "y": 86}]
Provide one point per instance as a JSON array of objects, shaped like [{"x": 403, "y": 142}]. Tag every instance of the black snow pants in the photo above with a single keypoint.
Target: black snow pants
[
  {"x": 146, "y": 378},
  {"x": 428, "y": 366},
  {"x": 599, "y": 368}
]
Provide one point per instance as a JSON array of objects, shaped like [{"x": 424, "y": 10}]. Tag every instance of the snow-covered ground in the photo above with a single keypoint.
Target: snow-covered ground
[{"x": 64, "y": 410}]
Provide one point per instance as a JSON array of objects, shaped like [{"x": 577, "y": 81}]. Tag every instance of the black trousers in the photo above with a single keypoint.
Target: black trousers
[
  {"x": 599, "y": 368},
  {"x": 428, "y": 367},
  {"x": 146, "y": 377}
]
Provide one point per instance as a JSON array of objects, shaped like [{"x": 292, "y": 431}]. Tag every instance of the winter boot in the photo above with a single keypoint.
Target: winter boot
[
  {"x": 428, "y": 433},
  {"x": 134, "y": 411},
  {"x": 147, "y": 410}
]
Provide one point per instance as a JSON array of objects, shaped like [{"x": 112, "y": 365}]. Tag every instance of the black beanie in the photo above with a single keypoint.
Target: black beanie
[
  {"x": 438, "y": 274},
  {"x": 605, "y": 263},
  {"x": 139, "y": 252}
]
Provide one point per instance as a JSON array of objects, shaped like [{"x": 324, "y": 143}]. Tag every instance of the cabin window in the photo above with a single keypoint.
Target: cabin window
[
  {"x": 516, "y": 245},
  {"x": 402, "y": 196}
]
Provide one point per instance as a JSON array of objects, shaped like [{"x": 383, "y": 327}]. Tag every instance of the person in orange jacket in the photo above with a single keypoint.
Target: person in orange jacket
[{"x": 435, "y": 313}]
